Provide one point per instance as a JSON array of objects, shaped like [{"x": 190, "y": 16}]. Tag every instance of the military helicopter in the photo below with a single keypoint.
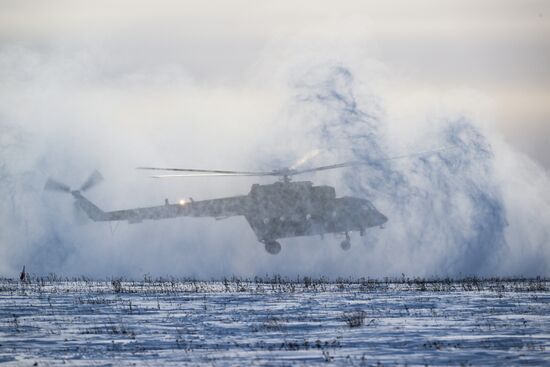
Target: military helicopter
[{"x": 274, "y": 211}]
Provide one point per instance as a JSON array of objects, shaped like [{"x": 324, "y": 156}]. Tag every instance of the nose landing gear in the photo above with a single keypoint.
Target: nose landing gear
[
  {"x": 272, "y": 247},
  {"x": 346, "y": 244}
]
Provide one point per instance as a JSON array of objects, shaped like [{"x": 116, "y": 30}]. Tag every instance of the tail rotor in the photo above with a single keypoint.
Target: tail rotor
[
  {"x": 53, "y": 185},
  {"x": 56, "y": 186},
  {"x": 92, "y": 180},
  {"x": 78, "y": 213}
]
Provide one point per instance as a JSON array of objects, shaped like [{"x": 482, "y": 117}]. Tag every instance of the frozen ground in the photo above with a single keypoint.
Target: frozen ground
[{"x": 275, "y": 322}]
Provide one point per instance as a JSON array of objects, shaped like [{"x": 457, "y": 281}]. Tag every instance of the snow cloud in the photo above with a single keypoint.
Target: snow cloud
[{"x": 478, "y": 208}]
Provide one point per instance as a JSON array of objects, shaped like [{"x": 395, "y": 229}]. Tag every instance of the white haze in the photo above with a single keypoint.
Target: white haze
[{"x": 482, "y": 208}]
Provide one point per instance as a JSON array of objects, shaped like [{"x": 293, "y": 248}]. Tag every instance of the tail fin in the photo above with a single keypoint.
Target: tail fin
[
  {"x": 86, "y": 205},
  {"x": 90, "y": 208}
]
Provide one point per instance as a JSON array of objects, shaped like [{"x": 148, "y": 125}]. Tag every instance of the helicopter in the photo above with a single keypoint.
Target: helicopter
[{"x": 275, "y": 211}]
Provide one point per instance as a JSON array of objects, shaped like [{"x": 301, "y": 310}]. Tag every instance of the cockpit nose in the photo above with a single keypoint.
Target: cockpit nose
[
  {"x": 373, "y": 216},
  {"x": 381, "y": 218}
]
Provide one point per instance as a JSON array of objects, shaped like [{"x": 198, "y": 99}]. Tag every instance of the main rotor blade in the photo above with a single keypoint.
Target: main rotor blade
[
  {"x": 283, "y": 172},
  {"x": 93, "y": 180},
  {"x": 53, "y": 185},
  {"x": 213, "y": 175},
  {"x": 367, "y": 162},
  {"x": 206, "y": 171}
]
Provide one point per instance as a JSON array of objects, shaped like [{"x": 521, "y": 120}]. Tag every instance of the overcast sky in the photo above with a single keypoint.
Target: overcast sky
[{"x": 501, "y": 49}]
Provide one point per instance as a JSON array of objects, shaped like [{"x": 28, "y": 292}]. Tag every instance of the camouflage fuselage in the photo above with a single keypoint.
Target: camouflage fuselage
[{"x": 278, "y": 210}]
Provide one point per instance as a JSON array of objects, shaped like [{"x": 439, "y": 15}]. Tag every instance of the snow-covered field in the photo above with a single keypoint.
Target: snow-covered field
[{"x": 275, "y": 322}]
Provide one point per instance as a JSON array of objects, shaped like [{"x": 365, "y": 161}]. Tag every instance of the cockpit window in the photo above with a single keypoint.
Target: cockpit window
[{"x": 368, "y": 205}]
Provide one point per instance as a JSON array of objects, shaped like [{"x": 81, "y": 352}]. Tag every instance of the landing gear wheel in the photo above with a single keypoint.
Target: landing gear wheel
[
  {"x": 272, "y": 247},
  {"x": 345, "y": 245}
]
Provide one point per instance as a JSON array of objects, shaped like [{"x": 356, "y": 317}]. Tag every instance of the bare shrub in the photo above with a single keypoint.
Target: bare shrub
[
  {"x": 355, "y": 318},
  {"x": 117, "y": 285}
]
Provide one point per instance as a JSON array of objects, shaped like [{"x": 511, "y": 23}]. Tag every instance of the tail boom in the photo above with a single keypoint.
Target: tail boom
[{"x": 207, "y": 208}]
